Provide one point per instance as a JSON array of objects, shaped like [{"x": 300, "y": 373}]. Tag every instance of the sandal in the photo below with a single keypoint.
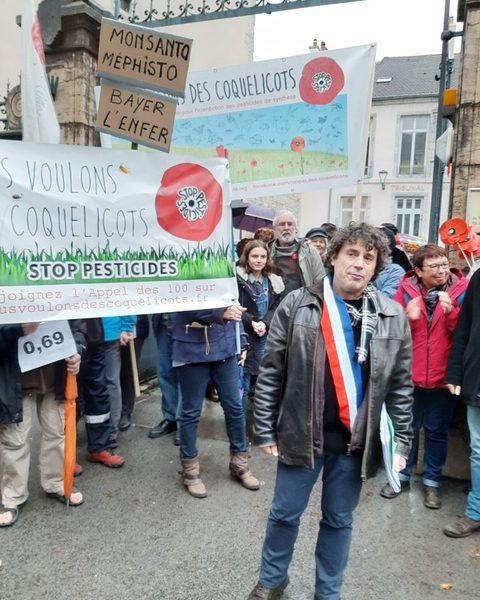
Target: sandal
[
  {"x": 61, "y": 498},
  {"x": 14, "y": 512}
]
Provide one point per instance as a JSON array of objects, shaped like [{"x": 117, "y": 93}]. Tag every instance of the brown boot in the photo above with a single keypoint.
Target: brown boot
[
  {"x": 191, "y": 477},
  {"x": 240, "y": 470}
]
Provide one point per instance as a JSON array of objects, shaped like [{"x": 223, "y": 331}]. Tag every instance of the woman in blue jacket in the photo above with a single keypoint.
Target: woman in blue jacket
[{"x": 204, "y": 348}]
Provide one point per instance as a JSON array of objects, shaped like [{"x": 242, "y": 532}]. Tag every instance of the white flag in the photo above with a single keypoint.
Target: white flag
[{"x": 40, "y": 123}]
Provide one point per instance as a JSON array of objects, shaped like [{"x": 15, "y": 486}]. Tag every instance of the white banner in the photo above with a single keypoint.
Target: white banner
[
  {"x": 287, "y": 126},
  {"x": 89, "y": 232},
  {"x": 39, "y": 119}
]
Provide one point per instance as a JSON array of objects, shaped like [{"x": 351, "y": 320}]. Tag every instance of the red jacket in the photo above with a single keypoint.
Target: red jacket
[{"x": 431, "y": 345}]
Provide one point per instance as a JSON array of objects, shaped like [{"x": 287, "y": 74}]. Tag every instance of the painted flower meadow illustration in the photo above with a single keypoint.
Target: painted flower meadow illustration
[{"x": 308, "y": 136}]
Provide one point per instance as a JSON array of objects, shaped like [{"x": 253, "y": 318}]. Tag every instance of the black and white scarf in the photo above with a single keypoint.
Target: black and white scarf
[{"x": 368, "y": 316}]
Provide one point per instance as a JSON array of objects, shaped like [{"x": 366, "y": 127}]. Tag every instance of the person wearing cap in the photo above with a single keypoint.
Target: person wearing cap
[
  {"x": 318, "y": 237},
  {"x": 399, "y": 256},
  {"x": 329, "y": 228}
]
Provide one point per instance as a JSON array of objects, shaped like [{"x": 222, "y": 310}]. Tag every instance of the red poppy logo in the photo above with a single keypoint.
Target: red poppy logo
[
  {"x": 297, "y": 144},
  {"x": 293, "y": 256},
  {"x": 322, "y": 79},
  {"x": 189, "y": 202}
]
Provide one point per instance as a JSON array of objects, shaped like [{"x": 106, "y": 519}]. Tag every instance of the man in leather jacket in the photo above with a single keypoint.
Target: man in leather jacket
[{"x": 336, "y": 352}]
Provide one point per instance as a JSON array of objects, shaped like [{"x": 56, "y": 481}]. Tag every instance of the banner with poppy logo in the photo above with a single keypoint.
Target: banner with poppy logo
[
  {"x": 89, "y": 232},
  {"x": 288, "y": 125}
]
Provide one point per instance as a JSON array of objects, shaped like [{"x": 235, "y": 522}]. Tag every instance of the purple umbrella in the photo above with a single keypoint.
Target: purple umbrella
[{"x": 250, "y": 218}]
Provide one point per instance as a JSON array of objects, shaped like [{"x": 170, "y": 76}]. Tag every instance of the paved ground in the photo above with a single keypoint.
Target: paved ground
[{"x": 140, "y": 535}]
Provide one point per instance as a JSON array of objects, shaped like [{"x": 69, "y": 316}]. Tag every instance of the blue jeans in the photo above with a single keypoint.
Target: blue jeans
[
  {"x": 340, "y": 494},
  {"x": 167, "y": 375},
  {"x": 473, "y": 502},
  {"x": 245, "y": 380},
  {"x": 432, "y": 410},
  {"x": 193, "y": 381}
]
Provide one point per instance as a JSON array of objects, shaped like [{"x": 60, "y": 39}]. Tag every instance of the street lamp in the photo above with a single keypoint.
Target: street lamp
[{"x": 382, "y": 175}]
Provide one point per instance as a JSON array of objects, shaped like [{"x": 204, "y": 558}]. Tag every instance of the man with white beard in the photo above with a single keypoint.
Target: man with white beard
[{"x": 297, "y": 261}]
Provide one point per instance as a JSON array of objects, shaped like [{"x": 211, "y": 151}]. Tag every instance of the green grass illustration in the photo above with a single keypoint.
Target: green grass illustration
[
  {"x": 257, "y": 165},
  {"x": 192, "y": 263}
]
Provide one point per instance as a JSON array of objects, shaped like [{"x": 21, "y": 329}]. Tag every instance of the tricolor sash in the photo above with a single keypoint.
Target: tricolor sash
[{"x": 339, "y": 340}]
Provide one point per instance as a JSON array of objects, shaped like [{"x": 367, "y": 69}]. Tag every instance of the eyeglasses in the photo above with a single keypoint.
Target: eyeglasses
[{"x": 437, "y": 266}]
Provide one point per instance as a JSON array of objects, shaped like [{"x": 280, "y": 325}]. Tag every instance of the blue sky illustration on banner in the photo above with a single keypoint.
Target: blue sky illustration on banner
[{"x": 323, "y": 128}]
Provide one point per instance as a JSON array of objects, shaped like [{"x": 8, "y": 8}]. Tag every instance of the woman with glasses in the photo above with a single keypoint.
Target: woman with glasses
[{"x": 431, "y": 295}]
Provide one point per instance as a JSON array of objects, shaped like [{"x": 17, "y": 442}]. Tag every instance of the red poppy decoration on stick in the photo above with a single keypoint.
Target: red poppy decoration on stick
[
  {"x": 189, "y": 202},
  {"x": 457, "y": 233},
  {"x": 321, "y": 81}
]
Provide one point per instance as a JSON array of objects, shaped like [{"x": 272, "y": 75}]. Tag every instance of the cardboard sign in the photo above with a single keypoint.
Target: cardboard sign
[
  {"x": 143, "y": 57},
  {"x": 139, "y": 116}
]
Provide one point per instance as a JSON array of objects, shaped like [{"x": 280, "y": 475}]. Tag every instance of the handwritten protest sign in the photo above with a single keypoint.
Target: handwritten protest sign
[
  {"x": 89, "y": 231},
  {"x": 143, "y": 57},
  {"x": 50, "y": 342},
  {"x": 136, "y": 115}
]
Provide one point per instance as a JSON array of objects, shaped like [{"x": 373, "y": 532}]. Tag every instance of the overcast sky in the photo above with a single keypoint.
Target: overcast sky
[{"x": 399, "y": 28}]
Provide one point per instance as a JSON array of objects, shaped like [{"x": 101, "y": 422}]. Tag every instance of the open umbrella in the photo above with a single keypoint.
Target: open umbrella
[
  {"x": 70, "y": 393},
  {"x": 251, "y": 217}
]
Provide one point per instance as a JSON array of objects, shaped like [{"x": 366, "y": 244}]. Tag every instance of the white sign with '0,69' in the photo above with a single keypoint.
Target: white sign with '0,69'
[{"x": 51, "y": 341}]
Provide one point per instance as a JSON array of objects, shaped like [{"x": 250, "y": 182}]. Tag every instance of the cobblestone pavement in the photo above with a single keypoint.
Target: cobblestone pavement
[{"x": 139, "y": 535}]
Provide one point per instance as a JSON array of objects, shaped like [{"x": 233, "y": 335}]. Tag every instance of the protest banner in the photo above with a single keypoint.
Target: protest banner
[
  {"x": 136, "y": 115},
  {"x": 89, "y": 232},
  {"x": 143, "y": 57},
  {"x": 288, "y": 125}
]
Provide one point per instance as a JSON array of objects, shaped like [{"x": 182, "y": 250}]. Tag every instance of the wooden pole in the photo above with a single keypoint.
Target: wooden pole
[{"x": 135, "y": 378}]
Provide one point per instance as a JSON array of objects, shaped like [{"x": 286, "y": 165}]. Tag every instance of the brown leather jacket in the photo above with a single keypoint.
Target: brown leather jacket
[{"x": 285, "y": 388}]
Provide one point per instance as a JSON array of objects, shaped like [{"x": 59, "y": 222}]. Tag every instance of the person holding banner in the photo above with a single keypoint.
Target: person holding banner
[
  {"x": 94, "y": 400},
  {"x": 117, "y": 332},
  {"x": 336, "y": 352},
  {"x": 39, "y": 389},
  {"x": 205, "y": 347}
]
